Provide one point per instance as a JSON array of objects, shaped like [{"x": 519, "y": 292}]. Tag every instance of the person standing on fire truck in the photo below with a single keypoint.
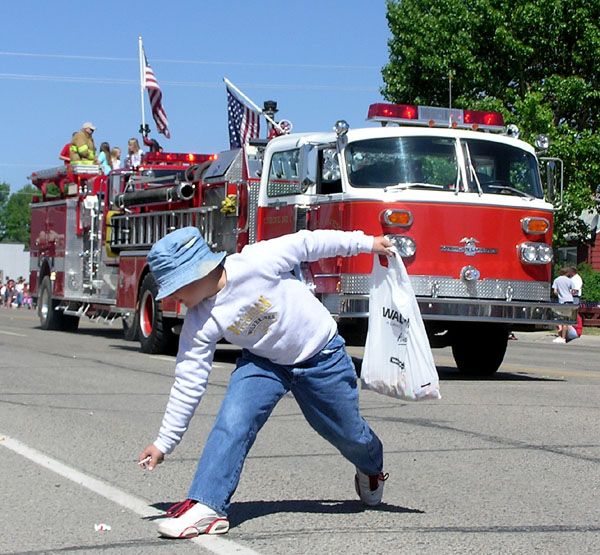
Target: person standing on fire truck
[
  {"x": 83, "y": 149},
  {"x": 65, "y": 153},
  {"x": 290, "y": 343}
]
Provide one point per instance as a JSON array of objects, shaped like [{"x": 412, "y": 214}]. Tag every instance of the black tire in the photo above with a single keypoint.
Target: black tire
[
  {"x": 154, "y": 330},
  {"x": 131, "y": 327},
  {"x": 51, "y": 319},
  {"x": 479, "y": 349}
]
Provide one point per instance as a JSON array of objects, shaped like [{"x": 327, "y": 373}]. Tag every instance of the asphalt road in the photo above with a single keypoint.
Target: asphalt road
[{"x": 508, "y": 465}]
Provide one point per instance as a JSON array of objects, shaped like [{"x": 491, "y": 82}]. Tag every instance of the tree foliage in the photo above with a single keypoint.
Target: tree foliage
[
  {"x": 15, "y": 214},
  {"x": 537, "y": 61},
  {"x": 591, "y": 283},
  {"x": 4, "y": 196}
]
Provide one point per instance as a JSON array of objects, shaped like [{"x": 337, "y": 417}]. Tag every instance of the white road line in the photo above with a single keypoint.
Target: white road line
[
  {"x": 13, "y": 333},
  {"x": 214, "y": 544},
  {"x": 162, "y": 357}
]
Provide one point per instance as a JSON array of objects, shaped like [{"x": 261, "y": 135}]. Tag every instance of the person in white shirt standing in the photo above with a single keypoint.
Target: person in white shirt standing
[
  {"x": 562, "y": 286},
  {"x": 577, "y": 284},
  {"x": 290, "y": 343}
]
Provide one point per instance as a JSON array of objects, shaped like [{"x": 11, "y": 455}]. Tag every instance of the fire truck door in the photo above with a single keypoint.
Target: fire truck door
[{"x": 284, "y": 206}]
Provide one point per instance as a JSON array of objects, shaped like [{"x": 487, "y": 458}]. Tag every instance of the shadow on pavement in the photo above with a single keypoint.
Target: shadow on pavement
[
  {"x": 452, "y": 374},
  {"x": 247, "y": 510}
]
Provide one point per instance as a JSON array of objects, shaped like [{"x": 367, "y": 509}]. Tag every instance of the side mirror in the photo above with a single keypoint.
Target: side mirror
[
  {"x": 308, "y": 166},
  {"x": 554, "y": 172}
]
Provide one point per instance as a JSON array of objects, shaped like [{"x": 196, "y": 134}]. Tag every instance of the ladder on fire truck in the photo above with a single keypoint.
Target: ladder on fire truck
[{"x": 140, "y": 231}]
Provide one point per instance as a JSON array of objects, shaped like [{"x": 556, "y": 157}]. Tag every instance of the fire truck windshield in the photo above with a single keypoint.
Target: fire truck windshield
[
  {"x": 501, "y": 169},
  {"x": 403, "y": 162},
  {"x": 430, "y": 162}
]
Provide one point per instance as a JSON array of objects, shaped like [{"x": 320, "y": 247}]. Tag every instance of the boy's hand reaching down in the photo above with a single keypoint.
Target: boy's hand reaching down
[{"x": 150, "y": 457}]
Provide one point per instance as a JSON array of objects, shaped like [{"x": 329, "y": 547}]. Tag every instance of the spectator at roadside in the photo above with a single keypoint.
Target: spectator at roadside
[
  {"x": 562, "y": 286},
  {"x": 9, "y": 293},
  {"x": 19, "y": 286},
  {"x": 567, "y": 333},
  {"x": 115, "y": 158},
  {"x": 577, "y": 285},
  {"x": 134, "y": 154},
  {"x": 27, "y": 299},
  {"x": 104, "y": 158}
]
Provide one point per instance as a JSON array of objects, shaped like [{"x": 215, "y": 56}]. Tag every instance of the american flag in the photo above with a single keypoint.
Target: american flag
[
  {"x": 155, "y": 95},
  {"x": 244, "y": 122}
]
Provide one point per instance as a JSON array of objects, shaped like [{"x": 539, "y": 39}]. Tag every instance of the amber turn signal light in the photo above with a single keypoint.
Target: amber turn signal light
[
  {"x": 535, "y": 226},
  {"x": 400, "y": 218}
]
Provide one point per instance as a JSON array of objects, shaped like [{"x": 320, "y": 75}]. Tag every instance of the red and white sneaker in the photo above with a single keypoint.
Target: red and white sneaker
[
  {"x": 370, "y": 488},
  {"x": 190, "y": 519}
]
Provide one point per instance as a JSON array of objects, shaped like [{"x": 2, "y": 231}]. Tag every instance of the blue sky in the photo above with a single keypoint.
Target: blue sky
[{"x": 65, "y": 63}]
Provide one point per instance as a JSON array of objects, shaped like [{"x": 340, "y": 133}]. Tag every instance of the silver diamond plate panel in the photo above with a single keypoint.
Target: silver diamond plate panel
[
  {"x": 281, "y": 188},
  {"x": 235, "y": 170},
  {"x": 434, "y": 286},
  {"x": 252, "y": 210}
]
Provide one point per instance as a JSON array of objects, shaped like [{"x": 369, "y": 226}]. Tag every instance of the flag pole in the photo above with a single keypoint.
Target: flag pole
[
  {"x": 142, "y": 64},
  {"x": 249, "y": 101}
]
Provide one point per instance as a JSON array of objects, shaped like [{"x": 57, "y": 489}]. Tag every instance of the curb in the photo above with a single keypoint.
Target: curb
[{"x": 547, "y": 336}]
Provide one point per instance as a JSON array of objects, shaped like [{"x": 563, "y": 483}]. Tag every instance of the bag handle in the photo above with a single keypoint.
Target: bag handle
[{"x": 394, "y": 264}]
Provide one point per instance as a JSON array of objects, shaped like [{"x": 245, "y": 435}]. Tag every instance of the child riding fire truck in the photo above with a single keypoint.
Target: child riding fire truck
[{"x": 463, "y": 202}]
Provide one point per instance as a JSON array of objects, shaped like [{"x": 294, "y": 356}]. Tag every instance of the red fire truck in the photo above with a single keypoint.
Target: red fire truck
[{"x": 462, "y": 200}]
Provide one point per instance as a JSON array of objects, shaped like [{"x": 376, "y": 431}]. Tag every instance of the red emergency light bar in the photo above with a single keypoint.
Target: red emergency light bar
[
  {"x": 433, "y": 116},
  {"x": 177, "y": 158},
  {"x": 477, "y": 117},
  {"x": 392, "y": 112}
]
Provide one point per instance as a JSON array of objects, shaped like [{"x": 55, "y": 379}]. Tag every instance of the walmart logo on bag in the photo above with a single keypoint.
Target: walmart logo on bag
[
  {"x": 398, "y": 322},
  {"x": 393, "y": 314}
]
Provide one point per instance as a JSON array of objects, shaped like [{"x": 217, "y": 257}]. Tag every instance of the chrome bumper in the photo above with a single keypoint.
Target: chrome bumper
[{"x": 463, "y": 310}]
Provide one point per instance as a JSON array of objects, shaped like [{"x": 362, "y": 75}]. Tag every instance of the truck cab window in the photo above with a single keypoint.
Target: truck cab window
[{"x": 329, "y": 175}]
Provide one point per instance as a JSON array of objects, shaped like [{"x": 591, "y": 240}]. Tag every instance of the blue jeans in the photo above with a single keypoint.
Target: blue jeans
[{"x": 325, "y": 388}]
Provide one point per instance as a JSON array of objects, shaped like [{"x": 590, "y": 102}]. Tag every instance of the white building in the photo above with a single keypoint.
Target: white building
[{"x": 14, "y": 261}]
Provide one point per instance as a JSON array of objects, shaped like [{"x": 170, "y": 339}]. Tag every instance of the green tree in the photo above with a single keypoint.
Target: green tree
[
  {"x": 4, "y": 195},
  {"x": 15, "y": 215},
  {"x": 537, "y": 61}
]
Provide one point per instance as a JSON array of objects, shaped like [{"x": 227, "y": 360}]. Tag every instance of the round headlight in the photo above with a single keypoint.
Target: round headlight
[
  {"x": 545, "y": 253},
  {"x": 536, "y": 253},
  {"x": 405, "y": 245},
  {"x": 528, "y": 253}
]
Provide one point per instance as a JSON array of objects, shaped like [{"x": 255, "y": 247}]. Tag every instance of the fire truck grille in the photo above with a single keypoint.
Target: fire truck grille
[{"x": 434, "y": 286}]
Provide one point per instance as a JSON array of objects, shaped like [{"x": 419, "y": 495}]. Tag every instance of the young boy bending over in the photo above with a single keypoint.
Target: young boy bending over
[{"x": 289, "y": 342}]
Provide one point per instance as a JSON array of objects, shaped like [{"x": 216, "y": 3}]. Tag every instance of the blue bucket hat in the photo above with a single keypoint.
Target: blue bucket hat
[{"x": 180, "y": 258}]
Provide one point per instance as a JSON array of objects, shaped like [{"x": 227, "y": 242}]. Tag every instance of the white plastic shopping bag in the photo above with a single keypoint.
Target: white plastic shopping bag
[{"x": 397, "y": 360}]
